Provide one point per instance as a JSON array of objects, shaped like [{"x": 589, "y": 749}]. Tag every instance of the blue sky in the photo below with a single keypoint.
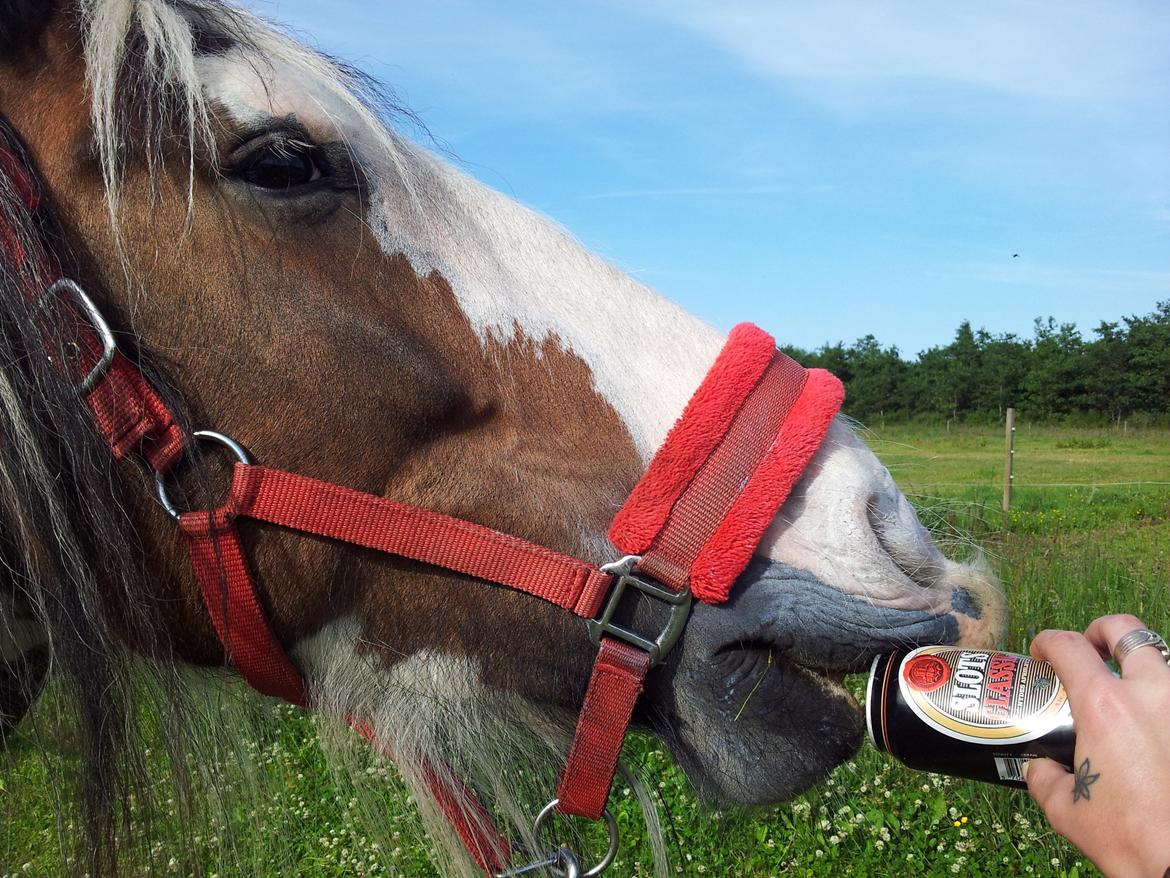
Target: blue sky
[{"x": 825, "y": 169}]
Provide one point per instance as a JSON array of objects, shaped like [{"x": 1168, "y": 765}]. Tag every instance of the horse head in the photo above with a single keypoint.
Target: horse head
[{"x": 347, "y": 305}]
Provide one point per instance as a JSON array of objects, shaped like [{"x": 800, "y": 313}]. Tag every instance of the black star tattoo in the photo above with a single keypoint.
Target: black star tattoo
[{"x": 1082, "y": 781}]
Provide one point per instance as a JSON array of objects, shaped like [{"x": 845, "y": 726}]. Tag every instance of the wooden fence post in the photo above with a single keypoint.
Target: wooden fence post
[{"x": 1009, "y": 458}]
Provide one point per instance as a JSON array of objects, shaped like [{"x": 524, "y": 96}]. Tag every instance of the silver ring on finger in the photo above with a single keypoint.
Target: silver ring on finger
[{"x": 1136, "y": 639}]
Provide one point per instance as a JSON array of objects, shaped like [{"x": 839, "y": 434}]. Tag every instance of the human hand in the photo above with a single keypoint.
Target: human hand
[{"x": 1115, "y": 805}]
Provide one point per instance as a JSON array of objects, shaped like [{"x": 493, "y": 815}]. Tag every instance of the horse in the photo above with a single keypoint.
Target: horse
[{"x": 290, "y": 269}]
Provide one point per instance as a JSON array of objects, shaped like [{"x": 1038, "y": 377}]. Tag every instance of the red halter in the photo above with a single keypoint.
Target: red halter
[{"x": 689, "y": 526}]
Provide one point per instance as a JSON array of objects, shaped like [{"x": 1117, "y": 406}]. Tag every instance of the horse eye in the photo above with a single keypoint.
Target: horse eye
[{"x": 281, "y": 166}]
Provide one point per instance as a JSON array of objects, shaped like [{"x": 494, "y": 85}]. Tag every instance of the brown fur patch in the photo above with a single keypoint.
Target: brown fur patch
[{"x": 291, "y": 331}]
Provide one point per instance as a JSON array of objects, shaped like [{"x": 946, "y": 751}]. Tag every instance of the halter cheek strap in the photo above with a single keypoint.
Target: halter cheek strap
[{"x": 689, "y": 526}]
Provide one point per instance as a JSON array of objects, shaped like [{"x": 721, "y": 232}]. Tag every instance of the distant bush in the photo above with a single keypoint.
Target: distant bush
[{"x": 1120, "y": 377}]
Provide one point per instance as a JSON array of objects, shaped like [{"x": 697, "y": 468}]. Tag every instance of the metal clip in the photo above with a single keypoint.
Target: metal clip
[
  {"x": 562, "y": 862},
  {"x": 680, "y": 610},
  {"x": 160, "y": 480}
]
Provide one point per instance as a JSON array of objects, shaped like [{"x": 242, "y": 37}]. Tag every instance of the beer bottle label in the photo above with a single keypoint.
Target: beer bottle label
[{"x": 983, "y": 697}]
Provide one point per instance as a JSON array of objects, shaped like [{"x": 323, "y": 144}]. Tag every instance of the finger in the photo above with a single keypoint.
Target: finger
[
  {"x": 1074, "y": 659},
  {"x": 1104, "y": 633},
  {"x": 1049, "y": 783}
]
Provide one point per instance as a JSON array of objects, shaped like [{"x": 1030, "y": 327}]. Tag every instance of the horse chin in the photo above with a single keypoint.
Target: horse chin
[
  {"x": 755, "y": 709},
  {"x": 768, "y": 731}
]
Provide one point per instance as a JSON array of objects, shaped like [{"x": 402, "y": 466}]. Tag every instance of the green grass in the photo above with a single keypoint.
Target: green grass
[{"x": 1089, "y": 533}]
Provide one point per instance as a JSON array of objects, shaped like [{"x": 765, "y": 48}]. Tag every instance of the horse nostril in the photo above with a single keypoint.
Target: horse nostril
[
  {"x": 873, "y": 512},
  {"x": 880, "y": 516},
  {"x": 902, "y": 537}
]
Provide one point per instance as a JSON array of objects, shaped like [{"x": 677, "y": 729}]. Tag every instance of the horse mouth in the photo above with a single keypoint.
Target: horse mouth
[
  {"x": 792, "y": 615},
  {"x": 784, "y": 629},
  {"x": 758, "y": 706},
  {"x": 765, "y": 655}
]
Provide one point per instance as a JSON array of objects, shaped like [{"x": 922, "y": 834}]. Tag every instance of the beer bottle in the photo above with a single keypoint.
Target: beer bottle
[{"x": 970, "y": 713}]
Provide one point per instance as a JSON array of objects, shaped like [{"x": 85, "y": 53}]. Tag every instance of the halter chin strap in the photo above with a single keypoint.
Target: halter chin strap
[{"x": 689, "y": 526}]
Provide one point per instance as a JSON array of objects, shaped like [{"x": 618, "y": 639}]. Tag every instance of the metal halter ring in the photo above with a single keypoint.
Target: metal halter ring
[
  {"x": 160, "y": 484},
  {"x": 568, "y": 858},
  {"x": 1136, "y": 639}
]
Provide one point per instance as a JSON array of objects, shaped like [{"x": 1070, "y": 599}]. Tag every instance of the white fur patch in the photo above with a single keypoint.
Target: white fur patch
[
  {"x": 347, "y": 683},
  {"x": 418, "y": 700},
  {"x": 514, "y": 272}
]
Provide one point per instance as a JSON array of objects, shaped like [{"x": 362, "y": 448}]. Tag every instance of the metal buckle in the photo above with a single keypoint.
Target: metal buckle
[
  {"x": 680, "y": 610},
  {"x": 109, "y": 348}
]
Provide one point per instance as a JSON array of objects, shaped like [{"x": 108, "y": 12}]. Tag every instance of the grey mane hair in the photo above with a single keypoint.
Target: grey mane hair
[
  {"x": 143, "y": 67},
  {"x": 65, "y": 539},
  {"x": 430, "y": 716},
  {"x": 155, "y": 94}
]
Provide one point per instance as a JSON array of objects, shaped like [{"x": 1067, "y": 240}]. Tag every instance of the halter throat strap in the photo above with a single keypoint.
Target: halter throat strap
[{"x": 689, "y": 526}]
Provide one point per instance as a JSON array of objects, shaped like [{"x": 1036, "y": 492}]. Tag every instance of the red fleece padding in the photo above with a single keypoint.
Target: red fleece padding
[
  {"x": 730, "y": 549},
  {"x": 703, "y": 424}
]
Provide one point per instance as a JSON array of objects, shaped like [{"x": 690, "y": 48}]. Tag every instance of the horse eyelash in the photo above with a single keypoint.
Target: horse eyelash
[{"x": 288, "y": 146}]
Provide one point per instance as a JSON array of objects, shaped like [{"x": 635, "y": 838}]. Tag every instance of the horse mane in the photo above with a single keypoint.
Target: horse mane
[{"x": 66, "y": 541}]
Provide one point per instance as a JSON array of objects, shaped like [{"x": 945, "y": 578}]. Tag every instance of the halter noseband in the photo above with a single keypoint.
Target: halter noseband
[{"x": 688, "y": 527}]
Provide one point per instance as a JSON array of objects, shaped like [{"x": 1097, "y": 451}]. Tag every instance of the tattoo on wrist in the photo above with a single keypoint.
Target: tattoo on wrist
[{"x": 1083, "y": 778}]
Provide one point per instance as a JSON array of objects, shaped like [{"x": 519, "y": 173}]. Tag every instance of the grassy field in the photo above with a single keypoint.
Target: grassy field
[{"x": 1089, "y": 533}]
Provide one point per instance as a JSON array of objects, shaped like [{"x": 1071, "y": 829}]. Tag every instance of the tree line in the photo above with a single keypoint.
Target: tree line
[{"x": 1121, "y": 372}]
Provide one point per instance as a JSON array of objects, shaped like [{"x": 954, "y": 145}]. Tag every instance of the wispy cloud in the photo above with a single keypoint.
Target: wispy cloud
[
  {"x": 1096, "y": 50},
  {"x": 690, "y": 192}
]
